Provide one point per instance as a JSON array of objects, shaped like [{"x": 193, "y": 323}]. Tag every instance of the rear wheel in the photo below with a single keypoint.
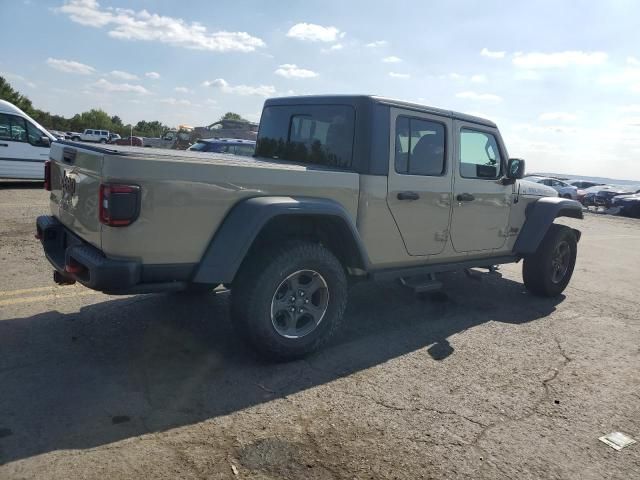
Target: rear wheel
[
  {"x": 102, "y": 140},
  {"x": 548, "y": 271},
  {"x": 288, "y": 301}
]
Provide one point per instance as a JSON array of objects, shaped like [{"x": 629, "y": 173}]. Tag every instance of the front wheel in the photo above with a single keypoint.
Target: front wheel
[
  {"x": 548, "y": 271},
  {"x": 288, "y": 301},
  {"x": 102, "y": 140}
]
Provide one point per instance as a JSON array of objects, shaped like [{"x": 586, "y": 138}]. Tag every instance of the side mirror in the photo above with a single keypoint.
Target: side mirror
[
  {"x": 515, "y": 168},
  {"x": 45, "y": 141}
]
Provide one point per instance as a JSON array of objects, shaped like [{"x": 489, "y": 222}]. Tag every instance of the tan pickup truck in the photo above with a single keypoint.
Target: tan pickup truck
[{"x": 342, "y": 188}]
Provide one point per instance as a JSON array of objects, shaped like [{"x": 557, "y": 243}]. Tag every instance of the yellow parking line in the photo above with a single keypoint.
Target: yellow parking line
[
  {"x": 6, "y": 293},
  {"x": 16, "y": 301}
]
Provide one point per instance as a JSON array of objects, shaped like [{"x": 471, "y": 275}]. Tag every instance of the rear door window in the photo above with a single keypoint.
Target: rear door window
[
  {"x": 420, "y": 147},
  {"x": 315, "y": 134}
]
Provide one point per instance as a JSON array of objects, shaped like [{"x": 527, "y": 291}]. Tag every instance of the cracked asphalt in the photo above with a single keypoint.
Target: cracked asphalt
[{"x": 480, "y": 381}]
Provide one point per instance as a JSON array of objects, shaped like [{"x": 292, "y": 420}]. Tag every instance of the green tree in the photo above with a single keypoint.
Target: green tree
[
  {"x": 8, "y": 93},
  {"x": 233, "y": 116}
]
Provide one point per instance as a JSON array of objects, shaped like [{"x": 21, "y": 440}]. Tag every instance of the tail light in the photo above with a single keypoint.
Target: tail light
[
  {"x": 47, "y": 175},
  {"x": 119, "y": 204}
]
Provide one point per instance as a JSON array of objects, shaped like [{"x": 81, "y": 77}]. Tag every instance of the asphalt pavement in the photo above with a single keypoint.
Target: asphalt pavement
[{"x": 481, "y": 380}]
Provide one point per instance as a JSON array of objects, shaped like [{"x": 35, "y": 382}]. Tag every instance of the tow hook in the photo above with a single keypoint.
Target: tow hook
[{"x": 61, "y": 279}]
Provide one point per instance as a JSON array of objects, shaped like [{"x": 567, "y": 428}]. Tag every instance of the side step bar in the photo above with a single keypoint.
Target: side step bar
[
  {"x": 422, "y": 283},
  {"x": 394, "y": 273}
]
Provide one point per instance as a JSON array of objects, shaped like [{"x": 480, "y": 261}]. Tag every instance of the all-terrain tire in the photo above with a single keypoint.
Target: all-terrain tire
[
  {"x": 540, "y": 271},
  {"x": 256, "y": 284}
]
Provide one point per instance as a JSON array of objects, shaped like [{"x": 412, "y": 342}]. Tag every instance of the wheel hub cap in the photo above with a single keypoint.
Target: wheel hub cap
[
  {"x": 560, "y": 260},
  {"x": 299, "y": 304}
]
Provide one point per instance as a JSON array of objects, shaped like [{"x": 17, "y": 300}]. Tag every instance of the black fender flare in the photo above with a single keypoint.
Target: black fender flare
[
  {"x": 235, "y": 235},
  {"x": 539, "y": 217}
]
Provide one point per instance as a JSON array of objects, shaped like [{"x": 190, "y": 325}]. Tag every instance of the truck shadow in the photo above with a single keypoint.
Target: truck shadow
[{"x": 130, "y": 366}]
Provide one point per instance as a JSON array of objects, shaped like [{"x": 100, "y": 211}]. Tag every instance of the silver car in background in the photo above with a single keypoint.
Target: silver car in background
[{"x": 564, "y": 189}]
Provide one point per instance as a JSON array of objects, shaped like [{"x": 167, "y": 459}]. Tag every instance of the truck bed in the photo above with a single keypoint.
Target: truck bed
[{"x": 184, "y": 195}]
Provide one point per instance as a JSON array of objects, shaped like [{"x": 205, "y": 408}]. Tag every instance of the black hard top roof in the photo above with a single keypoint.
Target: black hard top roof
[{"x": 360, "y": 99}]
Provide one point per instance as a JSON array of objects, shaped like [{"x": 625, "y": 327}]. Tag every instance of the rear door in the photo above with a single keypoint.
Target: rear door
[
  {"x": 419, "y": 181},
  {"x": 22, "y": 153},
  {"x": 481, "y": 203}
]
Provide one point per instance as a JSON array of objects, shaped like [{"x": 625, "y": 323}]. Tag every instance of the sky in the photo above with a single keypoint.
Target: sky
[{"x": 560, "y": 78}]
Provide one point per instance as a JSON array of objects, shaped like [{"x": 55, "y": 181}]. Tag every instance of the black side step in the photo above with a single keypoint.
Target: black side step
[{"x": 422, "y": 283}]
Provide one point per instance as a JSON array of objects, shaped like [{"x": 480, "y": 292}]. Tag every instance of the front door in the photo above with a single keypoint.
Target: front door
[
  {"x": 22, "y": 154},
  {"x": 481, "y": 203},
  {"x": 419, "y": 181}
]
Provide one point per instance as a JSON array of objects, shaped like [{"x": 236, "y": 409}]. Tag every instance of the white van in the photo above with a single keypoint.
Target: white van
[{"x": 24, "y": 144}]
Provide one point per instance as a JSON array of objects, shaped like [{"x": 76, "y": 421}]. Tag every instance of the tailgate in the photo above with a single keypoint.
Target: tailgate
[{"x": 75, "y": 184}]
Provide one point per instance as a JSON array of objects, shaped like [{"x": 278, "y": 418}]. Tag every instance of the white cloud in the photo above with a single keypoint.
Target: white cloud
[
  {"x": 152, "y": 75},
  {"x": 399, "y": 75},
  {"x": 485, "y": 52},
  {"x": 633, "y": 61},
  {"x": 481, "y": 97},
  {"x": 453, "y": 76},
  {"x": 391, "y": 59},
  {"x": 70, "y": 66},
  {"x": 176, "y": 102},
  {"x": 560, "y": 116},
  {"x": 559, "y": 59},
  {"x": 223, "y": 85},
  {"x": 123, "y": 75},
  {"x": 377, "y": 44},
  {"x": 479, "y": 78},
  {"x": 289, "y": 70},
  {"x": 107, "y": 86},
  {"x": 314, "y": 33},
  {"x": 337, "y": 46},
  {"x": 127, "y": 24},
  {"x": 182, "y": 90}
]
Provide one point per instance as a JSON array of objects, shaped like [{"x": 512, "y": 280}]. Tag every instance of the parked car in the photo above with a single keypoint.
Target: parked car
[
  {"x": 114, "y": 137},
  {"x": 583, "y": 184},
  {"x": 24, "y": 144},
  {"x": 93, "y": 135},
  {"x": 564, "y": 189},
  {"x": 59, "y": 135},
  {"x": 629, "y": 204},
  {"x": 338, "y": 192},
  {"x": 235, "y": 146},
  {"x": 131, "y": 141},
  {"x": 72, "y": 135},
  {"x": 604, "y": 197}
]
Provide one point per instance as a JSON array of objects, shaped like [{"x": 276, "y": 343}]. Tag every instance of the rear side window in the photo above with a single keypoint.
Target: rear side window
[
  {"x": 316, "y": 134},
  {"x": 420, "y": 147},
  {"x": 479, "y": 155}
]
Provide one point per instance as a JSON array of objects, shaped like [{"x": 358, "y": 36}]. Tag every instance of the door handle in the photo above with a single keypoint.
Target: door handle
[
  {"x": 408, "y": 196},
  {"x": 465, "y": 197},
  {"x": 4, "y": 144}
]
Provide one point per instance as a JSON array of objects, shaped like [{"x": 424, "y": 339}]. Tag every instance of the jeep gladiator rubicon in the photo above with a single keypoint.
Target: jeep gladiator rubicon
[{"x": 341, "y": 188}]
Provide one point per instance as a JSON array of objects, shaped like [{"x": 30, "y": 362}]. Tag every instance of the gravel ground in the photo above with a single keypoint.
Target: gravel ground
[{"x": 481, "y": 381}]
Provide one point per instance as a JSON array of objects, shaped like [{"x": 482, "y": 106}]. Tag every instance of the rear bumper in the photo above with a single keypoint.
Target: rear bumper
[{"x": 77, "y": 260}]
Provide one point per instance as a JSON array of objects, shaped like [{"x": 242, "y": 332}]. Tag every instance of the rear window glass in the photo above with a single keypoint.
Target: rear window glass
[{"x": 317, "y": 134}]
